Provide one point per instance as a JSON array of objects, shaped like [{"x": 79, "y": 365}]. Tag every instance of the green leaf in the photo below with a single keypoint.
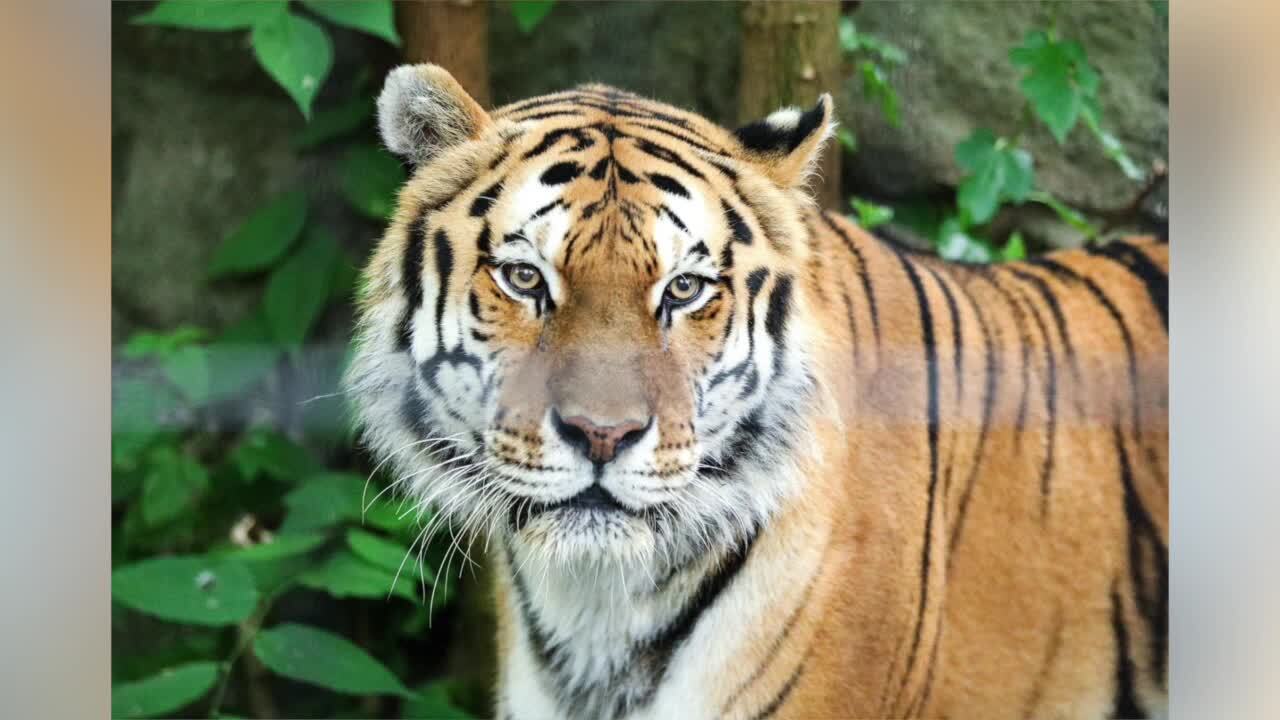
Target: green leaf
[
  {"x": 998, "y": 172},
  {"x": 390, "y": 516},
  {"x": 386, "y": 554},
  {"x": 870, "y": 214},
  {"x": 334, "y": 123},
  {"x": 371, "y": 177},
  {"x": 171, "y": 486},
  {"x": 979, "y": 194},
  {"x": 297, "y": 53},
  {"x": 321, "y": 658},
  {"x": 345, "y": 575},
  {"x": 876, "y": 85},
  {"x": 280, "y": 548},
  {"x": 1111, "y": 145},
  {"x": 188, "y": 589},
  {"x": 299, "y": 289},
  {"x": 264, "y": 238},
  {"x": 434, "y": 703},
  {"x": 853, "y": 41},
  {"x": 956, "y": 244},
  {"x": 529, "y": 13},
  {"x": 323, "y": 501},
  {"x": 1019, "y": 173},
  {"x": 280, "y": 561},
  {"x": 151, "y": 344},
  {"x": 1057, "y": 82},
  {"x": 973, "y": 150},
  {"x": 847, "y": 31},
  {"x": 375, "y": 17},
  {"x": 1065, "y": 213},
  {"x": 265, "y": 452},
  {"x": 1015, "y": 249},
  {"x": 165, "y": 692},
  {"x": 211, "y": 14}
]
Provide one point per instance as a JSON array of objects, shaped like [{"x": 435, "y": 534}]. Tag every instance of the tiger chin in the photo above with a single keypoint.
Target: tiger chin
[{"x": 731, "y": 456}]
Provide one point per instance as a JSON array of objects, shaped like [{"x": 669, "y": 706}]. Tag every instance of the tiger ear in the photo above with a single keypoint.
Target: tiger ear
[
  {"x": 422, "y": 111},
  {"x": 786, "y": 145}
]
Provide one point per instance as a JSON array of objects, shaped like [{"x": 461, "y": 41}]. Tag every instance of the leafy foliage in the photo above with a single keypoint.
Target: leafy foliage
[
  {"x": 324, "y": 659},
  {"x": 161, "y": 694},
  {"x": 236, "y": 500},
  {"x": 1061, "y": 91},
  {"x": 294, "y": 50},
  {"x": 262, "y": 239},
  {"x": 297, "y": 53},
  {"x": 375, "y": 18}
]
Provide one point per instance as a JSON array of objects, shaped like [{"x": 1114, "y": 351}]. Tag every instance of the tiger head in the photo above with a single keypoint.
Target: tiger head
[{"x": 585, "y": 328}]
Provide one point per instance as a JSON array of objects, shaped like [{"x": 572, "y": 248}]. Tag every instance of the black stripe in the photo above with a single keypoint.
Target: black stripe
[
  {"x": 863, "y": 275},
  {"x": 1024, "y": 346},
  {"x": 775, "y": 318},
  {"x": 957, "y": 338},
  {"x": 853, "y": 325},
  {"x": 737, "y": 226},
  {"x": 668, "y": 184},
  {"x": 1051, "y": 407},
  {"x": 667, "y": 155},
  {"x": 486, "y": 199},
  {"x": 560, "y": 173},
  {"x": 1150, "y": 274},
  {"x": 411, "y": 279},
  {"x": 444, "y": 267},
  {"x": 1153, "y": 602},
  {"x": 1060, "y": 320},
  {"x": 1125, "y": 702},
  {"x": 931, "y": 371},
  {"x": 770, "y": 709},
  {"x": 663, "y": 645},
  {"x": 988, "y": 404}
]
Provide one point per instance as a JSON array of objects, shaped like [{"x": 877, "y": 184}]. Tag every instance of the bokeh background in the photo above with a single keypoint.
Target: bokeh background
[{"x": 258, "y": 567}]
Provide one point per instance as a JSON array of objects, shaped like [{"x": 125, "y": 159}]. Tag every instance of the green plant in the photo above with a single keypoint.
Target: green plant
[
  {"x": 868, "y": 56},
  {"x": 222, "y": 521},
  {"x": 1060, "y": 90}
]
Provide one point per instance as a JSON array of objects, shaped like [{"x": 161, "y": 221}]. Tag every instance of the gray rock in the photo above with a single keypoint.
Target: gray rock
[{"x": 959, "y": 78}]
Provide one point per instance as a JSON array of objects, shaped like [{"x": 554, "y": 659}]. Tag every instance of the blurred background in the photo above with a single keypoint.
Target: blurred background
[{"x": 258, "y": 568}]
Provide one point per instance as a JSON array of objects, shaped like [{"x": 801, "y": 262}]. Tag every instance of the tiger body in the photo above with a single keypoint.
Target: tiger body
[{"x": 732, "y": 456}]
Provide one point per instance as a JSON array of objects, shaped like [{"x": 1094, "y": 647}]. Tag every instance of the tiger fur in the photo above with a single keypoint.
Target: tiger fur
[{"x": 845, "y": 480}]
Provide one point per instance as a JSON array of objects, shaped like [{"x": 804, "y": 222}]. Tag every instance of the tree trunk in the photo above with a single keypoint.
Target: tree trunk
[
  {"x": 791, "y": 55},
  {"x": 453, "y": 34}
]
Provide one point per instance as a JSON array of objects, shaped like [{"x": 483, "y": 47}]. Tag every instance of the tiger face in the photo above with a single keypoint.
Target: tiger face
[{"x": 584, "y": 331}]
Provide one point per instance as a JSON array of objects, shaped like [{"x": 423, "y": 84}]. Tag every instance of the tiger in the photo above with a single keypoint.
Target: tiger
[{"x": 729, "y": 455}]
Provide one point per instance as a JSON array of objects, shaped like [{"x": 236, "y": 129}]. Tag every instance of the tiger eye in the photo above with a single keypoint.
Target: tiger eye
[
  {"x": 522, "y": 277},
  {"x": 684, "y": 288}
]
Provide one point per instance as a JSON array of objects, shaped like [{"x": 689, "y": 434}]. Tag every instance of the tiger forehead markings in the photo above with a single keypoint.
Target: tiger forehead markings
[{"x": 733, "y": 457}]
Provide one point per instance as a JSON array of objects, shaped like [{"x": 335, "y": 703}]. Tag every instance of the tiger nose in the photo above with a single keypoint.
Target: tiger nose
[{"x": 600, "y": 443}]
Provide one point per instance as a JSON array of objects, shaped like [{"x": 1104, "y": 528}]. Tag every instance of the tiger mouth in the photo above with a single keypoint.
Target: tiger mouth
[{"x": 593, "y": 500}]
